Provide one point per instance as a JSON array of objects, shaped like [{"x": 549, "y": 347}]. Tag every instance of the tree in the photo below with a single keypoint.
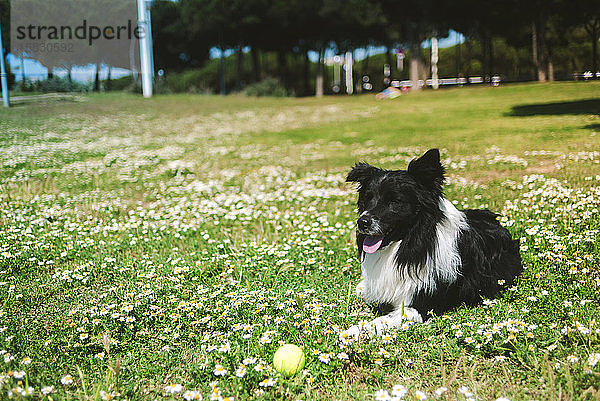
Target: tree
[
  {"x": 412, "y": 22},
  {"x": 587, "y": 13},
  {"x": 5, "y": 22},
  {"x": 173, "y": 50},
  {"x": 201, "y": 20},
  {"x": 485, "y": 20}
]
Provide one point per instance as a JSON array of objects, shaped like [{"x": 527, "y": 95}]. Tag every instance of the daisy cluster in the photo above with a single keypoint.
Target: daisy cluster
[
  {"x": 403, "y": 155},
  {"x": 140, "y": 151},
  {"x": 192, "y": 298},
  {"x": 173, "y": 266},
  {"x": 559, "y": 226},
  {"x": 398, "y": 392}
]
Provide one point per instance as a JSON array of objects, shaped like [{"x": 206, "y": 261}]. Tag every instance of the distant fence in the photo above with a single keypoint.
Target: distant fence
[
  {"x": 586, "y": 76},
  {"x": 495, "y": 80}
]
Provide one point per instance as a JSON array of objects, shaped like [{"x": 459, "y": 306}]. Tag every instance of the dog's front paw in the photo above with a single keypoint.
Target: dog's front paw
[
  {"x": 379, "y": 326},
  {"x": 365, "y": 330},
  {"x": 351, "y": 335},
  {"x": 354, "y": 333}
]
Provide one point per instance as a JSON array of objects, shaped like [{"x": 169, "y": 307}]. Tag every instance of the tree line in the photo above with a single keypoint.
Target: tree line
[
  {"x": 517, "y": 39},
  {"x": 543, "y": 38}
]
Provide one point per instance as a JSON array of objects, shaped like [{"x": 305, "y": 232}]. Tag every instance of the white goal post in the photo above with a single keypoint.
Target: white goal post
[{"x": 145, "y": 47}]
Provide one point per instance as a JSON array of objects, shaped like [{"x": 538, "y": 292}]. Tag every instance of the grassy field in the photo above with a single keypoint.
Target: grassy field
[{"x": 164, "y": 248}]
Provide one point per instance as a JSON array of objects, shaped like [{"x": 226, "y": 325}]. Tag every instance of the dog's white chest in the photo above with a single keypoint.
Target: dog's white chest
[{"x": 381, "y": 280}]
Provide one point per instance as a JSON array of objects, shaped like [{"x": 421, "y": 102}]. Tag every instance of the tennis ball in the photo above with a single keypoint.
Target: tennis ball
[{"x": 288, "y": 359}]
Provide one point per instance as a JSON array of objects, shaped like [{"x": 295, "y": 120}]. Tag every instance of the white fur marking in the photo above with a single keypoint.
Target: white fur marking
[
  {"x": 381, "y": 281},
  {"x": 445, "y": 263}
]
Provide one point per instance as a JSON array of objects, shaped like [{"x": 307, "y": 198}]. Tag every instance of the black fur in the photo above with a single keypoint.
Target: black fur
[
  {"x": 488, "y": 255},
  {"x": 405, "y": 205}
]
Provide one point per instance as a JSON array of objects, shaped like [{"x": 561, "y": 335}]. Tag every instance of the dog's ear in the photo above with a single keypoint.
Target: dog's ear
[
  {"x": 428, "y": 169},
  {"x": 362, "y": 172}
]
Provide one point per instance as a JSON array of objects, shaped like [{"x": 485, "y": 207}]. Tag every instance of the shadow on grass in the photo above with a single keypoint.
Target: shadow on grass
[{"x": 586, "y": 106}]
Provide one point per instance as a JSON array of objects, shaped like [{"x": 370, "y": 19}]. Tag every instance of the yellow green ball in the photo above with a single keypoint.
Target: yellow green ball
[{"x": 288, "y": 359}]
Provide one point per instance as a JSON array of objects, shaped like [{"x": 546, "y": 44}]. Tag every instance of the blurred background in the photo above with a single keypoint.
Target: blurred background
[{"x": 302, "y": 47}]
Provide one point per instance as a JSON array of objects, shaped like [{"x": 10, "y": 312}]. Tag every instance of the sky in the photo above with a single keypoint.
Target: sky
[{"x": 34, "y": 70}]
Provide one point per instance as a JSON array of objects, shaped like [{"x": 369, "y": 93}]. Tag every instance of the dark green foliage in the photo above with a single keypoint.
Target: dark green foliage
[
  {"x": 120, "y": 83},
  {"x": 56, "y": 84},
  {"x": 266, "y": 87},
  {"x": 191, "y": 81}
]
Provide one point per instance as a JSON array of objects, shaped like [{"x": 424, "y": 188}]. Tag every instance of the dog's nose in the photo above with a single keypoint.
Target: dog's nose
[{"x": 364, "y": 222}]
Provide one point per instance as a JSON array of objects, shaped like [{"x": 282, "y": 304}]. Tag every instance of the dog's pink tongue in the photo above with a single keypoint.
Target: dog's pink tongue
[{"x": 371, "y": 244}]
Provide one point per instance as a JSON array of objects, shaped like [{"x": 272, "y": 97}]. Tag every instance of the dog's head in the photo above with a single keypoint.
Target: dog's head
[{"x": 392, "y": 202}]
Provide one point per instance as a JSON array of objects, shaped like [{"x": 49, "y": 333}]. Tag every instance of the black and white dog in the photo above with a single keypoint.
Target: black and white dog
[{"x": 418, "y": 253}]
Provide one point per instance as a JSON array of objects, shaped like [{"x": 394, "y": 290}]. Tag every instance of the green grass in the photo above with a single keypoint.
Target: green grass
[{"x": 146, "y": 242}]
